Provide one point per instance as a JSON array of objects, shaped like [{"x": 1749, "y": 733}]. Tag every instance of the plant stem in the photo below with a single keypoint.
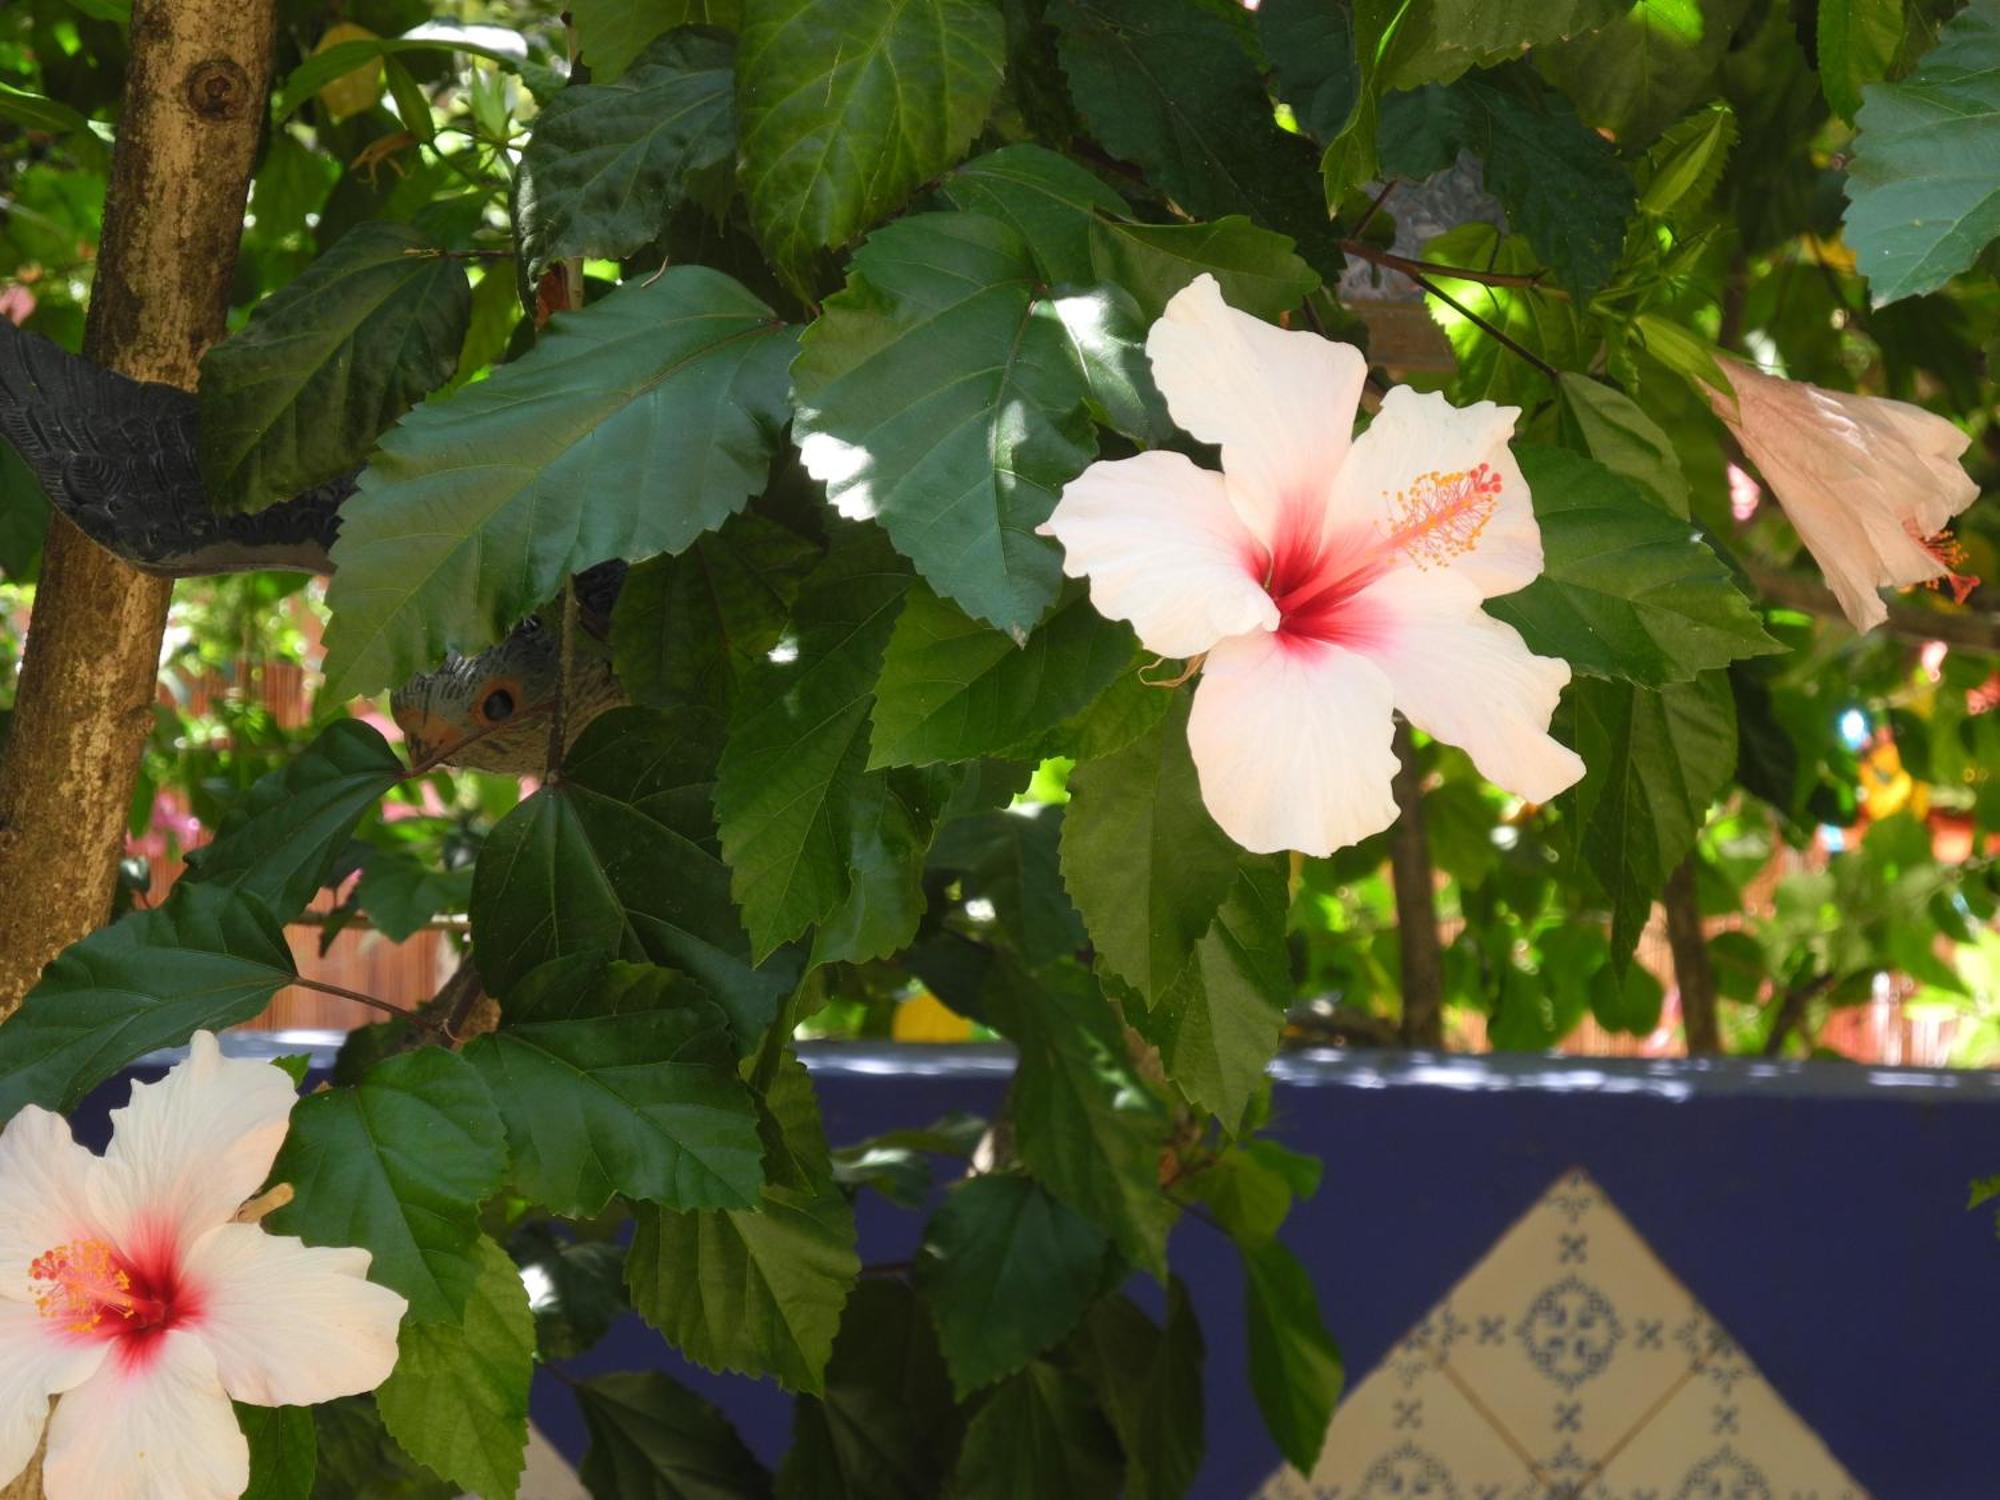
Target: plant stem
[
  {"x": 1415, "y": 884},
  {"x": 1693, "y": 972},
  {"x": 1503, "y": 339},
  {"x": 327, "y": 988},
  {"x": 1374, "y": 255}
]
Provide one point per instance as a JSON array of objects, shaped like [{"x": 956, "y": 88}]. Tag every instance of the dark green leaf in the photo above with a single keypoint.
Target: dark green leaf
[
  {"x": 324, "y": 366},
  {"x": 37, "y": 112},
  {"x": 457, "y": 1400},
  {"x": 1437, "y": 40},
  {"x": 357, "y": 1458},
  {"x": 937, "y": 394},
  {"x": 1295, "y": 1368},
  {"x": 620, "y": 1078},
  {"x": 582, "y": 1292},
  {"x": 1010, "y": 859},
  {"x": 1250, "y": 1188},
  {"x": 654, "y": 1439},
  {"x": 1858, "y": 40},
  {"x": 1038, "y": 1434},
  {"x": 630, "y": 428},
  {"x": 207, "y": 958},
  {"x": 609, "y": 163},
  {"x": 1007, "y": 1271},
  {"x": 399, "y": 1164},
  {"x": 1637, "y": 75},
  {"x": 283, "y": 1451},
  {"x": 1619, "y": 435},
  {"x": 1923, "y": 193},
  {"x": 1311, "y": 47},
  {"x": 890, "y": 819},
  {"x": 1540, "y": 322},
  {"x": 619, "y": 856},
  {"x": 1048, "y": 199},
  {"x": 1255, "y": 267},
  {"x": 402, "y": 894},
  {"x": 610, "y": 33},
  {"x": 1626, "y": 589},
  {"x": 848, "y": 106},
  {"x": 320, "y": 69},
  {"x": 1143, "y": 860},
  {"x": 1628, "y": 1002},
  {"x": 1148, "y": 1380}
]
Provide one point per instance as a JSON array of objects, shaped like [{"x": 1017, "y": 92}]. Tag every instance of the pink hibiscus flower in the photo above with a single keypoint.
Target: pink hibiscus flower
[{"x": 1324, "y": 581}]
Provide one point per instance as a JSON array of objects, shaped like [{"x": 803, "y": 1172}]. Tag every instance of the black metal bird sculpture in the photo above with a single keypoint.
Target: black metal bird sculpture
[{"x": 120, "y": 458}]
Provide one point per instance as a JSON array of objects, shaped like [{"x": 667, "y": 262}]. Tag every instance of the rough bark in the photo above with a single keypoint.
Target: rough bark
[
  {"x": 1411, "y": 874},
  {"x": 194, "y": 105},
  {"x": 1693, "y": 973}
]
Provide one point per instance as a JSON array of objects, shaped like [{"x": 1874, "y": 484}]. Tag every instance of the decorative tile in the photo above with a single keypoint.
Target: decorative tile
[{"x": 1568, "y": 1364}]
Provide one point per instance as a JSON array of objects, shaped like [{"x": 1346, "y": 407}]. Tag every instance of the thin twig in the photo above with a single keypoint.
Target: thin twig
[
  {"x": 1503, "y": 339},
  {"x": 1374, "y": 255},
  {"x": 326, "y": 988},
  {"x": 1410, "y": 873},
  {"x": 1375, "y": 207},
  {"x": 1975, "y": 630},
  {"x": 1694, "y": 975},
  {"x": 1792, "y": 1010}
]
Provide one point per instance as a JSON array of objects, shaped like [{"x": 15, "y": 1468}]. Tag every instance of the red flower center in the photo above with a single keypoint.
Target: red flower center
[{"x": 95, "y": 1291}]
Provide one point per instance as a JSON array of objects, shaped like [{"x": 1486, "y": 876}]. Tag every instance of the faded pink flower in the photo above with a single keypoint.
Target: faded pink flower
[
  {"x": 127, "y": 1290},
  {"x": 1324, "y": 581},
  {"x": 1868, "y": 483}
]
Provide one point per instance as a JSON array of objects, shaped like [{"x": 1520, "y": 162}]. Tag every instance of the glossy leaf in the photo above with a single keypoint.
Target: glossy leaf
[
  {"x": 1295, "y": 1366},
  {"x": 284, "y": 1454},
  {"x": 1049, "y": 200},
  {"x": 610, "y": 33},
  {"x": 1617, "y": 433},
  {"x": 1255, "y": 267},
  {"x": 1646, "y": 68}
]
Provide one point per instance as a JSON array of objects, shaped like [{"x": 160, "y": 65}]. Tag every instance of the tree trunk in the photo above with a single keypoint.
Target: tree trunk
[
  {"x": 194, "y": 106},
  {"x": 1694, "y": 975},
  {"x": 195, "y": 102},
  {"x": 1410, "y": 872}
]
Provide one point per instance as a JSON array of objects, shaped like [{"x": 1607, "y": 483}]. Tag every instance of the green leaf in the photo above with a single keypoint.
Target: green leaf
[
  {"x": 886, "y": 1428},
  {"x": 1923, "y": 193},
  {"x": 1295, "y": 1368},
  {"x": 1250, "y": 1188},
  {"x": 37, "y": 112},
  {"x": 324, "y": 366},
  {"x": 610, "y": 33},
  {"x": 402, "y": 894},
  {"x": 1637, "y": 75},
  {"x": 207, "y": 958},
  {"x": 937, "y": 393},
  {"x": 1038, "y": 1434},
  {"x": 1311, "y": 47},
  {"x": 630, "y": 428},
  {"x": 1619, "y": 435},
  {"x": 1148, "y": 1381},
  {"x": 1007, "y": 1271},
  {"x": 1084, "y": 1122},
  {"x": 1684, "y": 166},
  {"x": 1440, "y": 39},
  {"x": 457, "y": 1400},
  {"x": 792, "y": 790},
  {"x": 1217, "y": 1025},
  {"x": 320, "y": 69},
  {"x": 1626, "y": 590},
  {"x": 1628, "y": 1002},
  {"x": 1539, "y": 322},
  {"x": 1009, "y": 858},
  {"x": 1255, "y": 267},
  {"x": 619, "y": 856},
  {"x": 284, "y": 1454},
  {"x": 1656, "y": 760},
  {"x": 610, "y": 162},
  {"x": 652, "y": 1438},
  {"x": 1171, "y": 88},
  {"x": 686, "y": 629},
  {"x": 756, "y": 1292},
  {"x": 581, "y": 1292},
  {"x": 356, "y": 1457},
  {"x": 849, "y": 106},
  {"x": 1534, "y": 1012},
  {"x": 890, "y": 819},
  {"x": 282, "y": 841},
  {"x": 1048, "y": 200},
  {"x": 620, "y": 1079},
  {"x": 1858, "y": 41},
  {"x": 1142, "y": 859},
  {"x": 399, "y": 1164},
  {"x": 952, "y": 689}
]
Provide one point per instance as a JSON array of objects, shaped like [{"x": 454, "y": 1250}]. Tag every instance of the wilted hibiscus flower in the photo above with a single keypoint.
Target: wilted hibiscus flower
[
  {"x": 1324, "y": 581},
  {"x": 127, "y": 1290},
  {"x": 1868, "y": 483}
]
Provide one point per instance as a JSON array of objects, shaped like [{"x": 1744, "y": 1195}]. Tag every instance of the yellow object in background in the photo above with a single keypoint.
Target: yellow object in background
[
  {"x": 925, "y": 1018},
  {"x": 1886, "y": 788},
  {"x": 350, "y": 93}
]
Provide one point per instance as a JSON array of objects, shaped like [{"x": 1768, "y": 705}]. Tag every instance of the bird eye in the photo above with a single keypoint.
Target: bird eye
[{"x": 498, "y": 707}]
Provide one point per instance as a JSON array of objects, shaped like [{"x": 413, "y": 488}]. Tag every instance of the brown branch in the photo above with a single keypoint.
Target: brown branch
[
  {"x": 1375, "y": 255},
  {"x": 1972, "y": 629},
  {"x": 1375, "y": 207},
  {"x": 1792, "y": 1010},
  {"x": 326, "y": 987},
  {"x": 1416, "y": 903},
  {"x": 1693, "y": 973},
  {"x": 1492, "y": 331}
]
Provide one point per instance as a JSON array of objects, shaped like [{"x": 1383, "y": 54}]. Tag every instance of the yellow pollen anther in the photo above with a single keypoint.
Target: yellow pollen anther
[
  {"x": 1441, "y": 516},
  {"x": 77, "y": 1283}
]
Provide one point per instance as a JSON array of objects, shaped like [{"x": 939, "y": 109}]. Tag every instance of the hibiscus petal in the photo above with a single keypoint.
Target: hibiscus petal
[
  {"x": 1162, "y": 548},
  {"x": 1292, "y": 741},
  {"x": 1414, "y": 480},
  {"x": 189, "y": 1149},
  {"x": 291, "y": 1325},
  {"x": 44, "y": 1177},
  {"x": 1469, "y": 680},
  {"x": 159, "y": 1428},
  {"x": 36, "y": 1362},
  {"x": 1280, "y": 403}
]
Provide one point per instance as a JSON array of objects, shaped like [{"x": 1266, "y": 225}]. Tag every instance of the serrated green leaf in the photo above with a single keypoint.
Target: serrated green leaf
[
  {"x": 1250, "y": 1188},
  {"x": 1647, "y": 68},
  {"x": 207, "y": 958},
  {"x": 937, "y": 393},
  {"x": 620, "y": 1078},
  {"x": 399, "y": 1164},
  {"x": 1539, "y": 322},
  {"x": 1007, "y": 1271},
  {"x": 619, "y": 856},
  {"x": 652, "y": 1438},
  {"x": 457, "y": 1400},
  {"x": 280, "y": 843},
  {"x": 1039, "y": 1433},
  {"x": 1148, "y": 1381},
  {"x": 1858, "y": 40},
  {"x": 630, "y": 428},
  {"x": 1171, "y": 88},
  {"x": 403, "y": 894},
  {"x": 1618, "y": 434},
  {"x": 1048, "y": 199},
  {"x": 610, "y": 162},
  {"x": 610, "y": 33},
  {"x": 1686, "y": 163},
  {"x": 1438, "y": 40},
  {"x": 1311, "y": 47},
  {"x": 1142, "y": 859},
  {"x": 848, "y": 106},
  {"x": 1010, "y": 859},
  {"x": 357, "y": 1457},
  {"x": 1295, "y": 1366},
  {"x": 1656, "y": 760},
  {"x": 326, "y": 365},
  {"x": 890, "y": 818},
  {"x": 1923, "y": 193},
  {"x": 952, "y": 689},
  {"x": 1255, "y": 267},
  {"x": 284, "y": 1454},
  {"x": 1626, "y": 590}
]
